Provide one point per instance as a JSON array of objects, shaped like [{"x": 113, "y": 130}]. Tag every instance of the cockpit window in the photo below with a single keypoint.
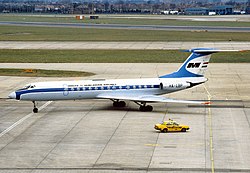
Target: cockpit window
[{"x": 27, "y": 87}]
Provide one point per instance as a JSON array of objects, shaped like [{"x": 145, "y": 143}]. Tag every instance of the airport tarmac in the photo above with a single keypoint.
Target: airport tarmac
[
  {"x": 215, "y": 18},
  {"x": 122, "y": 45},
  {"x": 92, "y": 136}
]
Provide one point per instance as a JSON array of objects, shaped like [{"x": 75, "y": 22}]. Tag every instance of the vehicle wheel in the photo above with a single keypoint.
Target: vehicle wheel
[
  {"x": 165, "y": 130},
  {"x": 183, "y": 130},
  {"x": 35, "y": 110}
]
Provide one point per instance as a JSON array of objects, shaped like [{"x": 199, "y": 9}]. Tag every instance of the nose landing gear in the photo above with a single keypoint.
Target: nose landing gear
[{"x": 35, "y": 109}]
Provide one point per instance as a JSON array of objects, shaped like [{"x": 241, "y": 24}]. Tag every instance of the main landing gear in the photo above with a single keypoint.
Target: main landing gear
[
  {"x": 145, "y": 108},
  {"x": 119, "y": 104},
  {"x": 35, "y": 110}
]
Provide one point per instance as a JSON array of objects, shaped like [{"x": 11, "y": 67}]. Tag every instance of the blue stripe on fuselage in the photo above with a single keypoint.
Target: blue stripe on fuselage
[{"x": 82, "y": 89}]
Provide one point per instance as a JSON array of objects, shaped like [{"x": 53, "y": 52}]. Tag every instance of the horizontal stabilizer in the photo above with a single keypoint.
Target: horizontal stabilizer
[{"x": 208, "y": 50}]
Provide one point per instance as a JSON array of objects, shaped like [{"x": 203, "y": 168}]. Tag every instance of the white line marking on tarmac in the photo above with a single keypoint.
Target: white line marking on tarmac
[
  {"x": 23, "y": 119},
  {"x": 210, "y": 131}
]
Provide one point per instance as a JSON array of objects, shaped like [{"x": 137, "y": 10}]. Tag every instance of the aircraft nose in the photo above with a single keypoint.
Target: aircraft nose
[{"x": 12, "y": 95}]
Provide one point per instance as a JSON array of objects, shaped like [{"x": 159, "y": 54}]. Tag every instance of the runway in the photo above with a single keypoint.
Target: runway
[
  {"x": 92, "y": 136},
  {"x": 124, "y": 26},
  {"x": 172, "y": 45},
  {"x": 216, "y": 18}
]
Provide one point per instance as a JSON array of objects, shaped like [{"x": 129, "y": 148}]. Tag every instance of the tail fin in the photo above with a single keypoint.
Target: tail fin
[{"x": 196, "y": 64}]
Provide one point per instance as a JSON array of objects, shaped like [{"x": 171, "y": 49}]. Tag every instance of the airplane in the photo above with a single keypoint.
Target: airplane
[{"x": 141, "y": 91}]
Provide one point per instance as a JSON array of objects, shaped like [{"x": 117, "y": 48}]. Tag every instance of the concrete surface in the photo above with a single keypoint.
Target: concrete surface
[
  {"x": 92, "y": 136},
  {"x": 216, "y": 18},
  {"x": 121, "y": 45}
]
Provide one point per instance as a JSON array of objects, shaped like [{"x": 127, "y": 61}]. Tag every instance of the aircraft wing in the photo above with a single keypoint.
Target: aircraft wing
[{"x": 146, "y": 98}]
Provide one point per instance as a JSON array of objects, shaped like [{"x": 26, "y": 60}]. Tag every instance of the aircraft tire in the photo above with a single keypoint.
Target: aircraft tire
[
  {"x": 35, "y": 110},
  {"x": 146, "y": 108},
  {"x": 149, "y": 108},
  {"x": 122, "y": 103},
  {"x": 115, "y": 104},
  {"x": 141, "y": 108},
  {"x": 119, "y": 104}
]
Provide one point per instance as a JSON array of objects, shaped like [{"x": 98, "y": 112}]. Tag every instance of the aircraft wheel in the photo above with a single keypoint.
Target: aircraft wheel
[
  {"x": 122, "y": 103},
  {"x": 35, "y": 110},
  {"x": 119, "y": 104},
  {"x": 146, "y": 108},
  {"x": 149, "y": 108},
  {"x": 115, "y": 104},
  {"x": 142, "y": 108}
]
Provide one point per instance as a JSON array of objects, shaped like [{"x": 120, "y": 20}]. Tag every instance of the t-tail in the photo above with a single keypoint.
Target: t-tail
[{"x": 196, "y": 64}]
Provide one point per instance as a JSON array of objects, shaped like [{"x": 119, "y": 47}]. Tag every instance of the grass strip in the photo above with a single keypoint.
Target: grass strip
[
  {"x": 42, "y": 73},
  {"x": 127, "y": 20},
  {"x": 25, "y": 33},
  {"x": 112, "y": 56}
]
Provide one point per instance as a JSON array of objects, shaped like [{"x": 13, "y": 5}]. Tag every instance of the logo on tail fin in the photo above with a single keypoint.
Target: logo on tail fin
[
  {"x": 193, "y": 65},
  {"x": 196, "y": 66},
  {"x": 196, "y": 63}
]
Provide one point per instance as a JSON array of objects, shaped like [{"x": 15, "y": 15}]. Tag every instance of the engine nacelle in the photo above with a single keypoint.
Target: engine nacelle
[{"x": 174, "y": 85}]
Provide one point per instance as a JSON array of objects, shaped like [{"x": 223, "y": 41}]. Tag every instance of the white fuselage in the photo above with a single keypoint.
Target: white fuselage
[{"x": 90, "y": 89}]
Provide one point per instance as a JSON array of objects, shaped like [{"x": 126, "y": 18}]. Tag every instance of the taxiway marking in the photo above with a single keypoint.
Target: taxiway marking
[
  {"x": 210, "y": 131},
  {"x": 23, "y": 119}
]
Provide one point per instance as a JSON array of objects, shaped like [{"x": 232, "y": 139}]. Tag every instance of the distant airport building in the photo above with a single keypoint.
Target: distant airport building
[
  {"x": 248, "y": 10},
  {"x": 248, "y": 7},
  {"x": 196, "y": 11},
  {"x": 222, "y": 10},
  {"x": 218, "y": 10}
]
